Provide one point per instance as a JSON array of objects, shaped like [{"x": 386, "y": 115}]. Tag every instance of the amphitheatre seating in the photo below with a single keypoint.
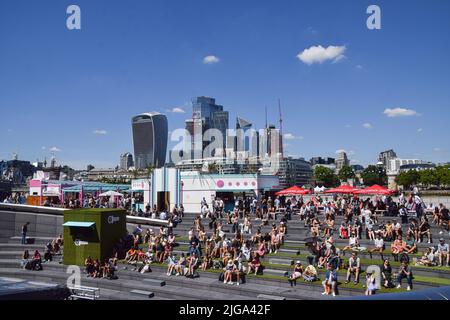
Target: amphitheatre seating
[
  {"x": 271, "y": 285},
  {"x": 147, "y": 221}
]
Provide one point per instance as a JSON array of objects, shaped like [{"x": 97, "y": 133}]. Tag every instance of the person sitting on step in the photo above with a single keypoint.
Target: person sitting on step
[{"x": 298, "y": 272}]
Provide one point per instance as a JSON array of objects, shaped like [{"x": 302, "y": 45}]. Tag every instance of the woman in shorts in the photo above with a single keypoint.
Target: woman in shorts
[{"x": 298, "y": 272}]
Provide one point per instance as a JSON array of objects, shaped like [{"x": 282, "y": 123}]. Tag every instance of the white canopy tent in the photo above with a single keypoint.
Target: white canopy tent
[
  {"x": 111, "y": 194},
  {"x": 319, "y": 189}
]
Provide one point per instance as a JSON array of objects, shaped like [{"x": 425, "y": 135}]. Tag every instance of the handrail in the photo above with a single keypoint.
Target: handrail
[
  {"x": 29, "y": 208},
  {"x": 82, "y": 292},
  {"x": 60, "y": 212}
]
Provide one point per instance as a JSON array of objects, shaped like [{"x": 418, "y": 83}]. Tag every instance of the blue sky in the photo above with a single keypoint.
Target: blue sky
[{"x": 76, "y": 91}]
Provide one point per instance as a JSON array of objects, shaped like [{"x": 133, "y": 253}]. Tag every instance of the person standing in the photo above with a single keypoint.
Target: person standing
[{"x": 24, "y": 232}]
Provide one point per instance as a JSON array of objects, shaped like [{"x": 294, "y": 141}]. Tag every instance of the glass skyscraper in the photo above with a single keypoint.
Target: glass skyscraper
[
  {"x": 150, "y": 131},
  {"x": 207, "y": 115}
]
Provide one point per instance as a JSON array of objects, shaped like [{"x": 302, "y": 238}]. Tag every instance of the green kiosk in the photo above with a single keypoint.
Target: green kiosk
[{"x": 92, "y": 232}]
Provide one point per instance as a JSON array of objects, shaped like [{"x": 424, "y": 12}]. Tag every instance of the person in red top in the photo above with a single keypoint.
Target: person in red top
[
  {"x": 255, "y": 264},
  {"x": 37, "y": 260},
  {"x": 261, "y": 249},
  {"x": 398, "y": 246}
]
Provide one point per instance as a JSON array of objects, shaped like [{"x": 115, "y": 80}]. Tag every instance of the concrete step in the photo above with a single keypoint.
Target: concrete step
[
  {"x": 110, "y": 294},
  {"x": 126, "y": 285},
  {"x": 419, "y": 271},
  {"x": 22, "y": 247},
  {"x": 286, "y": 262},
  {"x": 144, "y": 293},
  {"x": 269, "y": 297},
  {"x": 37, "y": 240}
]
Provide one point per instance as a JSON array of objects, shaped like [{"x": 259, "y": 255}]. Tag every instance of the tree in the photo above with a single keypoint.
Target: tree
[
  {"x": 429, "y": 177},
  {"x": 408, "y": 179},
  {"x": 149, "y": 170},
  {"x": 374, "y": 175},
  {"x": 346, "y": 173},
  {"x": 212, "y": 168},
  {"x": 326, "y": 177},
  {"x": 135, "y": 173}
]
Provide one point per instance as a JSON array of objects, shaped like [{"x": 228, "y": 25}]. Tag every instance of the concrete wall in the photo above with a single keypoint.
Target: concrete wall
[{"x": 41, "y": 225}]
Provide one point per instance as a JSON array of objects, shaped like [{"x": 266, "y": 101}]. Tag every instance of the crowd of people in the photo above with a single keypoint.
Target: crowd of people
[
  {"x": 34, "y": 262},
  {"x": 16, "y": 198},
  {"x": 235, "y": 243}
]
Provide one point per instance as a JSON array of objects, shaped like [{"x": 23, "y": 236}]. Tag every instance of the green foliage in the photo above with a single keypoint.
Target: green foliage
[
  {"x": 374, "y": 175},
  {"x": 326, "y": 177},
  {"x": 408, "y": 179},
  {"x": 149, "y": 170},
  {"x": 440, "y": 176},
  {"x": 429, "y": 178},
  {"x": 443, "y": 174},
  {"x": 212, "y": 168},
  {"x": 346, "y": 173}
]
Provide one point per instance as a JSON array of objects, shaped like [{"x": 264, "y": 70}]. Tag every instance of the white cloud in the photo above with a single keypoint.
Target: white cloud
[
  {"x": 55, "y": 149},
  {"x": 420, "y": 130},
  {"x": 210, "y": 60},
  {"x": 290, "y": 136},
  {"x": 177, "y": 110},
  {"x": 400, "y": 112},
  {"x": 437, "y": 149},
  {"x": 319, "y": 54},
  {"x": 348, "y": 126},
  {"x": 43, "y": 148},
  {"x": 102, "y": 132},
  {"x": 367, "y": 125},
  {"x": 359, "y": 67}
]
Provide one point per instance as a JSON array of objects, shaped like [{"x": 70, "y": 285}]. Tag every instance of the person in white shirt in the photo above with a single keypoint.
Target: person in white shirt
[
  {"x": 379, "y": 246},
  {"x": 353, "y": 243},
  {"x": 205, "y": 211},
  {"x": 277, "y": 203},
  {"x": 443, "y": 252},
  {"x": 367, "y": 213},
  {"x": 354, "y": 268},
  {"x": 397, "y": 227}
]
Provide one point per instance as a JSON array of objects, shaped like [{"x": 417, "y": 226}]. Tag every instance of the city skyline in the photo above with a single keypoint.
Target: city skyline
[{"x": 369, "y": 90}]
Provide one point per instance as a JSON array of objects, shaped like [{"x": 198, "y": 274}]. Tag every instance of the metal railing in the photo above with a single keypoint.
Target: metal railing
[{"x": 84, "y": 293}]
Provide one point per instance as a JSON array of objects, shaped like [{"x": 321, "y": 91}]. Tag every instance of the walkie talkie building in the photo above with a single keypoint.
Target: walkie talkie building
[{"x": 150, "y": 131}]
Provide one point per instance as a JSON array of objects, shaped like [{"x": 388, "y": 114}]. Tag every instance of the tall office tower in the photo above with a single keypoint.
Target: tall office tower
[
  {"x": 206, "y": 114},
  {"x": 150, "y": 132},
  {"x": 243, "y": 135},
  {"x": 272, "y": 141},
  {"x": 342, "y": 161},
  {"x": 385, "y": 157},
  {"x": 126, "y": 161}
]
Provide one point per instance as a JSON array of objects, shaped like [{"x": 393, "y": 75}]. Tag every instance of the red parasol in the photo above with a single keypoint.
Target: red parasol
[
  {"x": 293, "y": 191},
  {"x": 344, "y": 189},
  {"x": 375, "y": 189}
]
